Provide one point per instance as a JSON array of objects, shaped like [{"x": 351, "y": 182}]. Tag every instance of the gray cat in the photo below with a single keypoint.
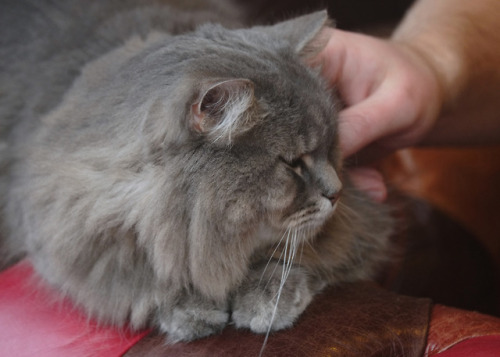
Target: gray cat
[{"x": 176, "y": 176}]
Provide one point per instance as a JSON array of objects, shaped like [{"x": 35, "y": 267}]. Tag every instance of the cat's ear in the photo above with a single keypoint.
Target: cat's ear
[
  {"x": 222, "y": 111},
  {"x": 305, "y": 33}
]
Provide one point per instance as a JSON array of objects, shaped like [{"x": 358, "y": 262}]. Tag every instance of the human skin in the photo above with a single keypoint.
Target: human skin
[{"x": 435, "y": 82}]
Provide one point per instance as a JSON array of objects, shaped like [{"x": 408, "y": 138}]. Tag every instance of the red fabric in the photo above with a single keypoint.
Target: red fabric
[
  {"x": 32, "y": 323},
  {"x": 483, "y": 346},
  {"x": 450, "y": 326}
]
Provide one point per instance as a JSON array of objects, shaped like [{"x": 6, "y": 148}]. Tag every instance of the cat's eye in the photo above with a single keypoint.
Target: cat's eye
[{"x": 295, "y": 164}]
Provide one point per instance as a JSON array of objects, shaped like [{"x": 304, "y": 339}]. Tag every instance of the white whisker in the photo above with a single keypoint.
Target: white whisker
[
  {"x": 291, "y": 256},
  {"x": 287, "y": 232},
  {"x": 302, "y": 243},
  {"x": 288, "y": 256}
]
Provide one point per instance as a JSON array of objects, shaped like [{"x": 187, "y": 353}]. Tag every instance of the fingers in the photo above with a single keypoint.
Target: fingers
[
  {"x": 364, "y": 123},
  {"x": 391, "y": 94},
  {"x": 370, "y": 181}
]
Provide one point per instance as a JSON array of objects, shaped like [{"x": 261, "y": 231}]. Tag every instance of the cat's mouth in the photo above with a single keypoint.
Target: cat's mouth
[{"x": 311, "y": 220}]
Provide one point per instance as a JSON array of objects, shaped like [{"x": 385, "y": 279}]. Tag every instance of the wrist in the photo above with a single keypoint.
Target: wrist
[
  {"x": 458, "y": 39},
  {"x": 443, "y": 57},
  {"x": 429, "y": 93},
  {"x": 441, "y": 42}
]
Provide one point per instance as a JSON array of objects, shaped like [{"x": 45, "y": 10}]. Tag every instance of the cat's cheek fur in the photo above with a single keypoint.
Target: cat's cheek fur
[
  {"x": 279, "y": 201},
  {"x": 219, "y": 250}
]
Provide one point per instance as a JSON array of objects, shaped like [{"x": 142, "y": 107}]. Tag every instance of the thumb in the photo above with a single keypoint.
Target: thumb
[
  {"x": 362, "y": 124},
  {"x": 369, "y": 181}
]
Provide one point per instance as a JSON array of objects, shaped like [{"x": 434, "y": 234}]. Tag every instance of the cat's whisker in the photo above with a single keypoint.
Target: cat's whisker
[
  {"x": 287, "y": 232},
  {"x": 282, "y": 257},
  {"x": 293, "y": 252},
  {"x": 302, "y": 243},
  {"x": 288, "y": 255},
  {"x": 285, "y": 259},
  {"x": 346, "y": 211},
  {"x": 309, "y": 243},
  {"x": 344, "y": 214},
  {"x": 291, "y": 256}
]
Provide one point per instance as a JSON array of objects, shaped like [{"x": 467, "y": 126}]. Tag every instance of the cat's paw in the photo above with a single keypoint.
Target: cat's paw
[
  {"x": 263, "y": 302},
  {"x": 192, "y": 320}
]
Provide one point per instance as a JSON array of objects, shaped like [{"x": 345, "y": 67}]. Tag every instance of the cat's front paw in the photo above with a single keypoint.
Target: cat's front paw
[
  {"x": 193, "y": 319},
  {"x": 265, "y": 301}
]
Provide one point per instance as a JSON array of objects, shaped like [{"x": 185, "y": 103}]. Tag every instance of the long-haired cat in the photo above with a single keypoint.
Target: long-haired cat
[{"x": 167, "y": 175}]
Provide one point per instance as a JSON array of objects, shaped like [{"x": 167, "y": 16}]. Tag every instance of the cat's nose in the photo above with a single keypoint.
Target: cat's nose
[{"x": 333, "y": 197}]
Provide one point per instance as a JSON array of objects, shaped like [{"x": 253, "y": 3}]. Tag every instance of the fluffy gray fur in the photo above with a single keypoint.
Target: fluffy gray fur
[{"x": 173, "y": 177}]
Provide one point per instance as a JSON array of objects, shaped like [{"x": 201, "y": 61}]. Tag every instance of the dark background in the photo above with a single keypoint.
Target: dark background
[{"x": 348, "y": 14}]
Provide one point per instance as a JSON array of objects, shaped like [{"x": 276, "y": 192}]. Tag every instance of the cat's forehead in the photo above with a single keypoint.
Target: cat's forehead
[
  {"x": 303, "y": 103},
  {"x": 297, "y": 124}
]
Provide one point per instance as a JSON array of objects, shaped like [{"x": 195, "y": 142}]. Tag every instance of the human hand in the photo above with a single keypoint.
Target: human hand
[{"x": 392, "y": 97}]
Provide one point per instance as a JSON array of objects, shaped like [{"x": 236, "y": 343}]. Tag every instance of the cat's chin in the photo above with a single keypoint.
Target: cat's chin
[
  {"x": 303, "y": 232},
  {"x": 308, "y": 225},
  {"x": 310, "y": 230}
]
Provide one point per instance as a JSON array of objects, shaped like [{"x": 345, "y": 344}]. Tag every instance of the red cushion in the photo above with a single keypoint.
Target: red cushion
[
  {"x": 483, "y": 346},
  {"x": 451, "y": 327},
  {"x": 34, "y": 322}
]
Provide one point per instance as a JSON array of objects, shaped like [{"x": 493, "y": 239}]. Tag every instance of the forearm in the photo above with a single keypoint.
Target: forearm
[{"x": 460, "y": 39}]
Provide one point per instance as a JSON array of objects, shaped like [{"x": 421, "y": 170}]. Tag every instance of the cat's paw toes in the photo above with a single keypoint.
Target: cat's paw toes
[
  {"x": 191, "y": 324},
  {"x": 262, "y": 306},
  {"x": 260, "y": 317}
]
